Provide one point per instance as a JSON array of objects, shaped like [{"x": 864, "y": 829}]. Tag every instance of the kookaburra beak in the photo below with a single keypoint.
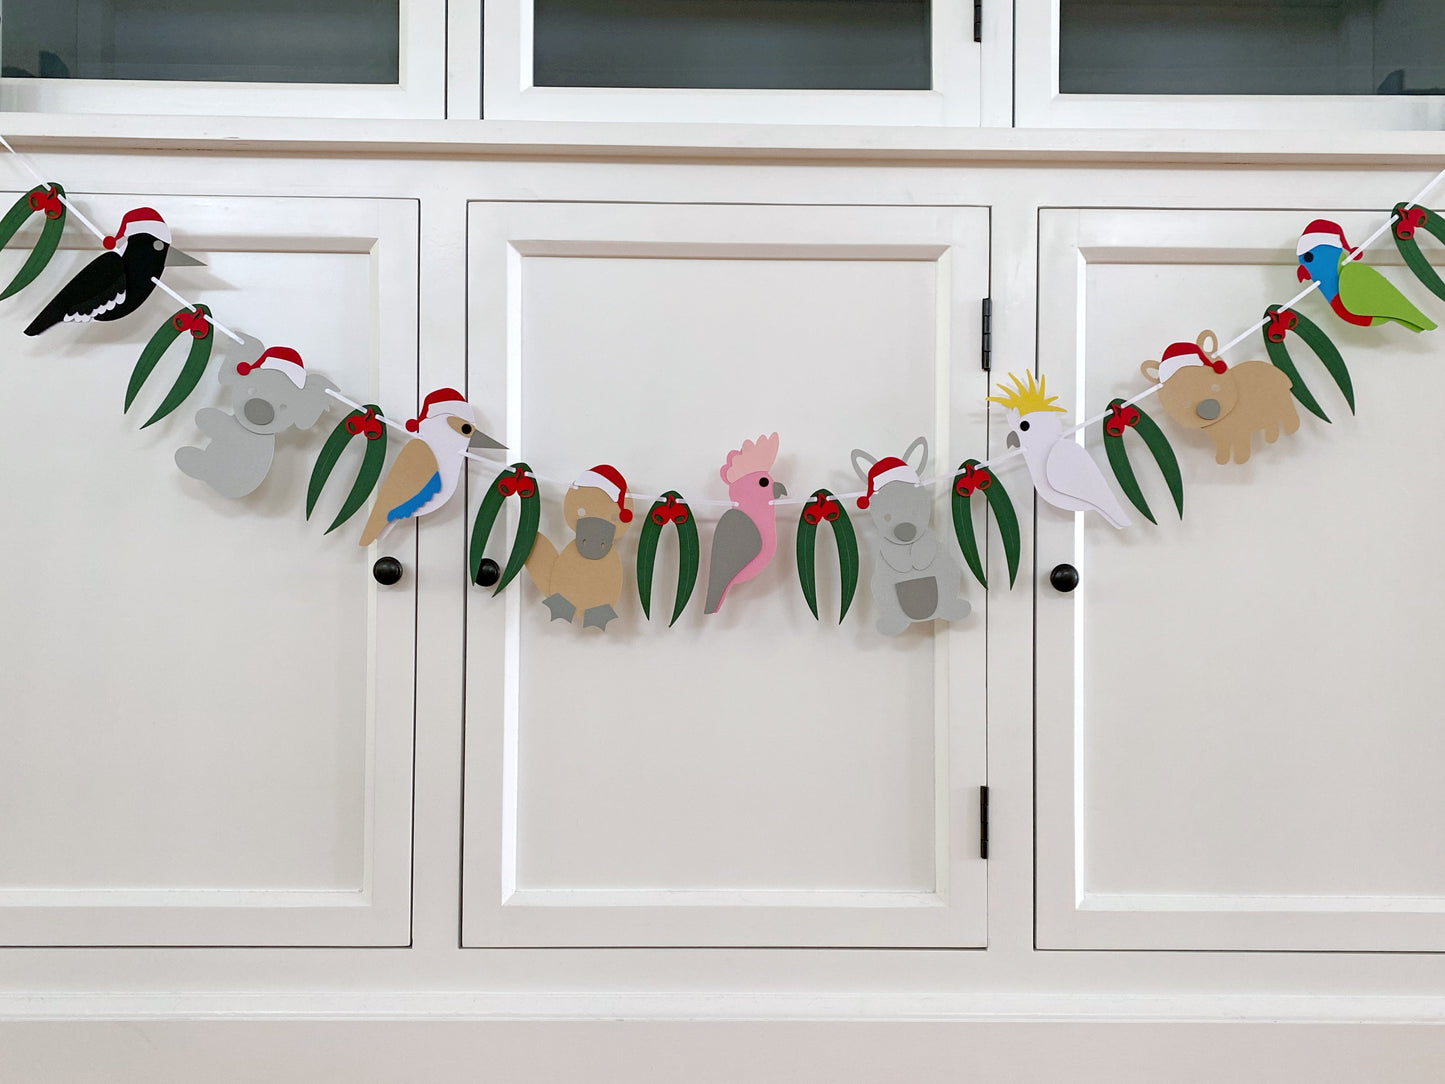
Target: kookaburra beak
[
  {"x": 176, "y": 258},
  {"x": 480, "y": 441},
  {"x": 1013, "y": 440}
]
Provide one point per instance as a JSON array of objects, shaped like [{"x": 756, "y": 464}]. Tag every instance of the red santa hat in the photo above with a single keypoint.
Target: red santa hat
[
  {"x": 145, "y": 220},
  {"x": 1182, "y": 355},
  {"x": 610, "y": 481},
  {"x": 281, "y": 359},
  {"x": 1321, "y": 232},
  {"x": 442, "y": 402},
  {"x": 888, "y": 469}
]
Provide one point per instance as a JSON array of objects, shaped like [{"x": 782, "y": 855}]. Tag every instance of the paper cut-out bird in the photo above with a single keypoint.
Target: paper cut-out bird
[
  {"x": 1357, "y": 292},
  {"x": 426, "y": 472},
  {"x": 746, "y": 535},
  {"x": 118, "y": 281},
  {"x": 1064, "y": 474}
]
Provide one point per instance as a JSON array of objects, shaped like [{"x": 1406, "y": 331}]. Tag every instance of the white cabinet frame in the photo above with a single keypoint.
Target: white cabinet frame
[
  {"x": 1038, "y": 102},
  {"x": 496, "y": 912},
  {"x": 420, "y": 90},
  {"x": 1069, "y": 915},
  {"x": 508, "y": 91},
  {"x": 377, "y": 911}
]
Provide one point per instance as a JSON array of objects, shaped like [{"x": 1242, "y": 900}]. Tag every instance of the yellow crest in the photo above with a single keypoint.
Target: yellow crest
[{"x": 1026, "y": 398}]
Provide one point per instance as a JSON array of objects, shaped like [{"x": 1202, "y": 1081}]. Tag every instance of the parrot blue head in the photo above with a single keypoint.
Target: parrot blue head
[{"x": 1321, "y": 247}]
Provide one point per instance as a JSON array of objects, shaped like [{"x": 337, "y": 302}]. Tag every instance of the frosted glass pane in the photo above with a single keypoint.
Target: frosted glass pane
[
  {"x": 260, "y": 41},
  {"x": 750, "y": 44},
  {"x": 1252, "y": 47}
]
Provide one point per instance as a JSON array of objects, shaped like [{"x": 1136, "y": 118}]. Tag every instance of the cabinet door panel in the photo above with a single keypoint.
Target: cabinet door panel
[
  {"x": 207, "y": 735},
  {"x": 672, "y": 62},
  {"x": 357, "y": 58},
  {"x": 754, "y": 776},
  {"x": 1102, "y": 64},
  {"x": 1235, "y": 743}
]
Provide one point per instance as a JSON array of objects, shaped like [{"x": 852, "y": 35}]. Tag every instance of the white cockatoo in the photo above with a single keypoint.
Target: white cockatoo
[{"x": 1064, "y": 474}]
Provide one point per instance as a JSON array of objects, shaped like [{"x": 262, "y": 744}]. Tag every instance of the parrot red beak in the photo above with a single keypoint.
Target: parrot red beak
[{"x": 1302, "y": 274}]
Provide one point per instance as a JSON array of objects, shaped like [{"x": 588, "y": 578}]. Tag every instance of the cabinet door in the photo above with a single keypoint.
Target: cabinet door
[
  {"x": 761, "y": 61},
  {"x": 303, "y": 58},
  {"x": 753, "y": 777},
  {"x": 208, "y": 702},
  {"x": 1236, "y": 744},
  {"x": 1341, "y": 64}
]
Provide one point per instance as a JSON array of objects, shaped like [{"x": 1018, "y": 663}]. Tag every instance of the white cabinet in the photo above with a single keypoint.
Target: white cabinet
[
  {"x": 849, "y": 62},
  {"x": 1236, "y": 734},
  {"x": 753, "y": 777},
  {"x": 312, "y": 58},
  {"x": 207, "y": 724},
  {"x": 1221, "y": 64}
]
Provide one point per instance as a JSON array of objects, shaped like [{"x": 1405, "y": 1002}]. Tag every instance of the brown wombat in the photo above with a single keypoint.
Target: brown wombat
[{"x": 1229, "y": 404}]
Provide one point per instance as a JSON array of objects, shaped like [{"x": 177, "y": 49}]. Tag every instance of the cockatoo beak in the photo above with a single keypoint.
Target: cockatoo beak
[
  {"x": 1012, "y": 441},
  {"x": 1303, "y": 274},
  {"x": 481, "y": 442},
  {"x": 176, "y": 258},
  {"x": 779, "y": 490}
]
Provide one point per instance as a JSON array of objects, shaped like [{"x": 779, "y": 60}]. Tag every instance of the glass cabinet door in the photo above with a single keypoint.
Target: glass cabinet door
[
  {"x": 769, "y": 61},
  {"x": 1232, "y": 63},
  {"x": 373, "y": 58}
]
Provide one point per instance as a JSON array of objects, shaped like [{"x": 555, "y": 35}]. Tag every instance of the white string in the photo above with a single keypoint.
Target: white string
[{"x": 30, "y": 168}]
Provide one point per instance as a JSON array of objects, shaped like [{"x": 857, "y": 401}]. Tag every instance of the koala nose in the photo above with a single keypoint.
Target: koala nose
[
  {"x": 905, "y": 532},
  {"x": 259, "y": 412},
  {"x": 1208, "y": 409}
]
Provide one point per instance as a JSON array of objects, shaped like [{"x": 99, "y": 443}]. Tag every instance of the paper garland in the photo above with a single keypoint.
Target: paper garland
[
  {"x": 363, "y": 423},
  {"x": 202, "y": 337},
  {"x": 516, "y": 481},
  {"x": 972, "y": 478},
  {"x": 1123, "y": 417},
  {"x": 43, "y": 199},
  {"x": 823, "y": 507},
  {"x": 117, "y": 282},
  {"x": 669, "y": 508},
  {"x": 1279, "y": 322}
]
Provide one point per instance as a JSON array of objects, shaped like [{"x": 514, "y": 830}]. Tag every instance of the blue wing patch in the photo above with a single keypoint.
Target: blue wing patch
[{"x": 406, "y": 509}]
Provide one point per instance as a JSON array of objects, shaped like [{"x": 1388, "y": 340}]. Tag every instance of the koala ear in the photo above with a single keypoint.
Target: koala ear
[
  {"x": 1150, "y": 369},
  {"x": 227, "y": 375},
  {"x": 921, "y": 442},
  {"x": 861, "y": 462},
  {"x": 311, "y": 403}
]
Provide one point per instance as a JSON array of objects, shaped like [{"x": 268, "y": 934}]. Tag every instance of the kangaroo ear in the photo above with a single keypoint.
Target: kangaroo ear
[
  {"x": 921, "y": 442},
  {"x": 1150, "y": 369},
  {"x": 1207, "y": 336},
  {"x": 861, "y": 462}
]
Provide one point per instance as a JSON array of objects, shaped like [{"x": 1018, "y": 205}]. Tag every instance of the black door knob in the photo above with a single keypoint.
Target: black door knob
[
  {"x": 488, "y": 573},
  {"x": 1064, "y": 578},
  {"x": 386, "y": 571}
]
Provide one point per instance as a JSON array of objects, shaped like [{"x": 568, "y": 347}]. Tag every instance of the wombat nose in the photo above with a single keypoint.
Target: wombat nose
[
  {"x": 1208, "y": 409},
  {"x": 259, "y": 412},
  {"x": 905, "y": 532}
]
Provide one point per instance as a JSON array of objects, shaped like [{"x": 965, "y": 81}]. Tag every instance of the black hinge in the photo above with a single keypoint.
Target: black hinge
[
  {"x": 987, "y": 334},
  {"x": 983, "y": 822},
  {"x": 978, "y": 20}
]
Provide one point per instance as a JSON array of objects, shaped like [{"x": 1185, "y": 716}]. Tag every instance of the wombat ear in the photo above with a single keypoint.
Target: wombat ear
[
  {"x": 861, "y": 462},
  {"x": 921, "y": 442},
  {"x": 1150, "y": 369}
]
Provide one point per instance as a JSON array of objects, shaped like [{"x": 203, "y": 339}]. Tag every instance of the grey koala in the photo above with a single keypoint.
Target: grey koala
[
  {"x": 915, "y": 578},
  {"x": 269, "y": 396}
]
